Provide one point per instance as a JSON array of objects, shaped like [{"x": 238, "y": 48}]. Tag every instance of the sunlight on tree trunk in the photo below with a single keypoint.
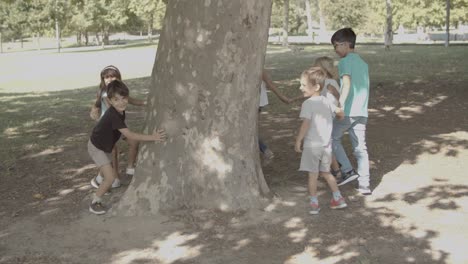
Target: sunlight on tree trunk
[{"x": 205, "y": 94}]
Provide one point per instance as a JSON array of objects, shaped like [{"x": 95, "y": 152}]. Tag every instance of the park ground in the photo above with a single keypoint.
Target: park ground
[{"x": 417, "y": 140}]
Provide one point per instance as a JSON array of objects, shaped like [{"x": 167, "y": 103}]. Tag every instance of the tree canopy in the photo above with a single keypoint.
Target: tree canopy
[{"x": 26, "y": 18}]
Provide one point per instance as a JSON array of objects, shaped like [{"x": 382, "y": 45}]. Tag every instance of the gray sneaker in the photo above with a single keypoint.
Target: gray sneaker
[
  {"x": 364, "y": 190},
  {"x": 348, "y": 177},
  {"x": 95, "y": 183},
  {"x": 97, "y": 208}
]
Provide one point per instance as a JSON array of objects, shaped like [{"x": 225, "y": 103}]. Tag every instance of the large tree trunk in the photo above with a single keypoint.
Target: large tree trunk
[{"x": 205, "y": 95}]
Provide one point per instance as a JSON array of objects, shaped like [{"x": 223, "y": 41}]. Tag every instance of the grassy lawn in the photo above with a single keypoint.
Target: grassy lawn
[
  {"x": 417, "y": 142},
  {"x": 45, "y": 96}
]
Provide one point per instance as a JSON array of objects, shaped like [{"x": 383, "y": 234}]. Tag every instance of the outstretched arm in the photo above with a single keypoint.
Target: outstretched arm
[
  {"x": 157, "y": 136},
  {"x": 135, "y": 101},
  {"x": 272, "y": 87},
  {"x": 334, "y": 92}
]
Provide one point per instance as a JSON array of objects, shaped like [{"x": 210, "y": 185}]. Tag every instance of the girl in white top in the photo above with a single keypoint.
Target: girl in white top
[
  {"x": 331, "y": 92},
  {"x": 267, "y": 84}
]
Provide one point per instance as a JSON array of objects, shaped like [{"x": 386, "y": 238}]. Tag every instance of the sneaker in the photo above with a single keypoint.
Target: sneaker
[
  {"x": 364, "y": 190},
  {"x": 97, "y": 208},
  {"x": 95, "y": 183},
  {"x": 269, "y": 155},
  {"x": 338, "y": 204},
  {"x": 130, "y": 171},
  {"x": 314, "y": 209},
  {"x": 335, "y": 173},
  {"x": 348, "y": 177},
  {"x": 116, "y": 183}
]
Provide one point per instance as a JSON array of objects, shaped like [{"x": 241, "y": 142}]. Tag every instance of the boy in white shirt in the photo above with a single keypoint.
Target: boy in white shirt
[{"x": 317, "y": 114}]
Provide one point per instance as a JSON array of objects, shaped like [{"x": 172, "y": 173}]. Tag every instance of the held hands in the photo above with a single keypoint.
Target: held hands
[
  {"x": 159, "y": 136},
  {"x": 297, "y": 146}
]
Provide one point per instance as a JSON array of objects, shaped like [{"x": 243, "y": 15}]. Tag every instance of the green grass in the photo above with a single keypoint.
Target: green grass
[{"x": 48, "y": 119}]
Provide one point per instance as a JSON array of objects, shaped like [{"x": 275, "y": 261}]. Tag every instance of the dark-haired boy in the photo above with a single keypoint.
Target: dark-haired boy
[
  {"x": 354, "y": 97},
  {"x": 104, "y": 136}
]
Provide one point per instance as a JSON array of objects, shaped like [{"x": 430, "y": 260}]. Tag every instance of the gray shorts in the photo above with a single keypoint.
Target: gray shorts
[
  {"x": 316, "y": 159},
  {"x": 99, "y": 157}
]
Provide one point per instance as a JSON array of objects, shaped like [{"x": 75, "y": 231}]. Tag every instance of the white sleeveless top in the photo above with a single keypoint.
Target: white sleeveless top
[{"x": 263, "y": 95}]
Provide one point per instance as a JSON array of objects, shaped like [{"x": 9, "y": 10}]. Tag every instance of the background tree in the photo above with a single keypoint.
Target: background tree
[
  {"x": 339, "y": 14},
  {"x": 84, "y": 17},
  {"x": 447, "y": 23},
  {"x": 38, "y": 20},
  {"x": 16, "y": 18},
  {"x": 205, "y": 95},
  {"x": 3, "y": 19},
  {"x": 112, "y": 16},
  {"x": 149, "y": 11},
  {"x": 285, "y": 22},
  {"x": 389, "y": 24},
  {"x": 308, "y": 11}
]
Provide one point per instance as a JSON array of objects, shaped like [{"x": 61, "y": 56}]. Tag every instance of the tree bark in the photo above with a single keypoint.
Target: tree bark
[
  {"x": 309, "y": 20},
  {"x": 285, "y": 22},
  {"x": 150, "y": 28},
  {"x": 205, "y": 95},
  {"x": 323, "y": 28},
  {"x": 447, "y": 23},
  {"x": 389, "y": 25}
]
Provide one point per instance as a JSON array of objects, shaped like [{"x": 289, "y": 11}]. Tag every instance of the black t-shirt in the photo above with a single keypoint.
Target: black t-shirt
[{"x": 106, "y": 133}]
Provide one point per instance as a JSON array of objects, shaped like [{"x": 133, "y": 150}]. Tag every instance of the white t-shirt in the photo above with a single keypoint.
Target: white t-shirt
[
  {"x": 327, "y": 93},
  {"x": 320, "y": 111},
  {"x": 263, "y": 95}
]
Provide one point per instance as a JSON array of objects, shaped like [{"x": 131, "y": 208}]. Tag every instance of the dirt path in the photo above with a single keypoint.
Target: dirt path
[{"x": 418, "y": 213}]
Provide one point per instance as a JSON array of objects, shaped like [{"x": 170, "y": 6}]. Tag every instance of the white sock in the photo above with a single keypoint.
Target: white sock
[
  {"x": 116, "y": 182},
  {"x": 99, "y": 178},
  {"x": 96, "y": 199}
]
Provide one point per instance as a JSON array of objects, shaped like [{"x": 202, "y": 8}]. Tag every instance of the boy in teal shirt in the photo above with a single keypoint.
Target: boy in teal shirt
[{"x": 354, "y": 98}]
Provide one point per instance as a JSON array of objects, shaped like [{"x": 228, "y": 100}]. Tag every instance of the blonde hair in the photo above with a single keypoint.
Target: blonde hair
[
  {"x": 328, "y": 65},
  {"x": 315, "y": 75}
]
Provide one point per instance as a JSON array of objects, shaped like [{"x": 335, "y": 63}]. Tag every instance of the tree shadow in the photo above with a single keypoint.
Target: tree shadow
[
  {"x": 45, "y": 165},
  {"x": 408, "y": 119}
]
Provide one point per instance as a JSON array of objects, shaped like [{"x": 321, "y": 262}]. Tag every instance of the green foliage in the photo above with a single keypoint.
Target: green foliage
[
  {"x": 149, "y": 11},
  {"x": 429, "y": 13},
  {"x": 341, "y": 14}
]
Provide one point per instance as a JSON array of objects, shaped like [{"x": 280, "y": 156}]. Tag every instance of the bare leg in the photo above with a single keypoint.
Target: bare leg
[
  {"x": 313, "y": 184},
  {"x": 331, "y": 181},
  {"x": 115, "y": 161},
  {"x": 109, "y": 175},
  {"x": 335, "y": 166},
  {"x": 132, "y": 152}
]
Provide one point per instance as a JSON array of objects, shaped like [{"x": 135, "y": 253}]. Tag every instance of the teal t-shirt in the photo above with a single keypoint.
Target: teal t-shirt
[{"x": 358, "y": 97}]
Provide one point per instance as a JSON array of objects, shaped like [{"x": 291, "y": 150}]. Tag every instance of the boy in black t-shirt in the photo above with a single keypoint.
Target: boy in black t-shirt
[{"x": 104, "y": 136}]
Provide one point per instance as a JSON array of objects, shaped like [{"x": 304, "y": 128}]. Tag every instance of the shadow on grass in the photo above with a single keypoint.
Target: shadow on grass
[
  {"x": 400, "y": 129},
  {"x": 44, "y": 158},
  {"x": 116, "y": 47}
]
